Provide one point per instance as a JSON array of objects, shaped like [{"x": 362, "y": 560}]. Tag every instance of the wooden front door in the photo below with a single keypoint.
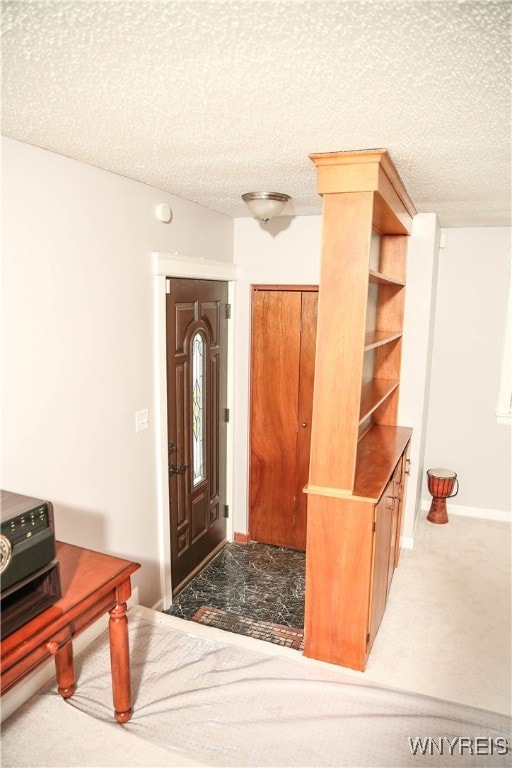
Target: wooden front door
[
  {"x": 196, "y": 400},
  {"x": 282, "y": 373}
]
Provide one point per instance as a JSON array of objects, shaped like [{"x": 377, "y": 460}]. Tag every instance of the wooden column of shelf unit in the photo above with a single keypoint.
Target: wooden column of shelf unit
[
  {"x": 362, "y": 192},
  {"x": 339, "y": 555},
  {"x": 340, "y": 339},
  {"x": 338, "y": 572}
]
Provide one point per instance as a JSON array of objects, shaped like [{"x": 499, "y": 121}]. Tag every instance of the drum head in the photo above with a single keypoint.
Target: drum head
[{"x": 445, "y": 473}]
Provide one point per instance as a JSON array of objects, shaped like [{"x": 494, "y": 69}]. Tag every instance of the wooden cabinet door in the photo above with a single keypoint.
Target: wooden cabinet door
[
  {"x": 400, "y": 491},
  {"x": 382, "y": 539},
  {"x": 282, "y": 372},
  {"x": 395, "y": 492}
]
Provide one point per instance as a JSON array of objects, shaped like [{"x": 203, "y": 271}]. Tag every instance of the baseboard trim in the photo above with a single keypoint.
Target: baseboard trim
[
  {"x": 241, "y": 538},
  {"x": 501, "y": 515}
]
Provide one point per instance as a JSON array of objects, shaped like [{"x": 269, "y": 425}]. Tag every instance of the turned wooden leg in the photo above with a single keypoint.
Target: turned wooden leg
[
  {"x": 65, "y": 670},
  {"x": 120, "y": 661}
]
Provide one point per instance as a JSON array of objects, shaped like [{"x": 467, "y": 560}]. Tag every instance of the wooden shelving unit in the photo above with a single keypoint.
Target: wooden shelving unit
[{"x": 358, "y": 453}]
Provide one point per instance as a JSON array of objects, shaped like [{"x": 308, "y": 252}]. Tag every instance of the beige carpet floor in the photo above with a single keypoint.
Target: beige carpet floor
[
  {"x": 225, "y": 703},
  {"x": 446, "y": 634},
  {"x": 447, "y": 627}
]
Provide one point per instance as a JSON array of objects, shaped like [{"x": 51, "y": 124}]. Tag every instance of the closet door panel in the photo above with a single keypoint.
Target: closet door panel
[
  {"x": 275, "y": 364},
  {"x": 305, "y": 413}
]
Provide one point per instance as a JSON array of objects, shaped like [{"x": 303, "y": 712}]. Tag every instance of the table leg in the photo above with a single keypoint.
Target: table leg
[
  {"x": 65, "y": 671},
  {"x": 120, "y": 662}
]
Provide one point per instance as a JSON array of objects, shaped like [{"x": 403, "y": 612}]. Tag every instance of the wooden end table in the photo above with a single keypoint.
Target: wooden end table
[{"x": 92, "y": 584}]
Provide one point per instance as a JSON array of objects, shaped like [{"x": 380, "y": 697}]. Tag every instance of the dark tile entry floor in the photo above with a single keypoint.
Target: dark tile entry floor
[{"x": 257, "y": 581}]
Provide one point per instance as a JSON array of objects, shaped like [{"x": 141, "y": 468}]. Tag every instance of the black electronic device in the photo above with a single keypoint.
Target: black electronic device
[{"x": 29, "y": 575}]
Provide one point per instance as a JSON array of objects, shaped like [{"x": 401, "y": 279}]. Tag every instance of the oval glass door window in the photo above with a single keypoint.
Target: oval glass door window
[{"x": 198, "y": 400}]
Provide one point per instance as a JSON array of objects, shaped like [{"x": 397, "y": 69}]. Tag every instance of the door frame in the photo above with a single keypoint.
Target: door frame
[{"x": 166, "y": 266}]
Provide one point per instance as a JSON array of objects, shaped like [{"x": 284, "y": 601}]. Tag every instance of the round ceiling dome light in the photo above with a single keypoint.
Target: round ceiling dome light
[{"x": 265, "y": 205}]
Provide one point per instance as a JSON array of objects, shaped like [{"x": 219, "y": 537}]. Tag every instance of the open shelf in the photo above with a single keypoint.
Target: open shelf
[
  {"x": 381, "y": 279},
  {"x": 373, "y": 394},
  {"x": 378, "y": 338}
]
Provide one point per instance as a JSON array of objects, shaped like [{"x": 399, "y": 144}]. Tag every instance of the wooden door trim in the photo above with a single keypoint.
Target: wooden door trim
[{"x": 300, "y": 288}]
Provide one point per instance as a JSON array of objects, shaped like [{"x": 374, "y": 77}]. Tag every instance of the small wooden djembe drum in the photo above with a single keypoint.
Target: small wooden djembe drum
[{"x": 440, "y": 485}]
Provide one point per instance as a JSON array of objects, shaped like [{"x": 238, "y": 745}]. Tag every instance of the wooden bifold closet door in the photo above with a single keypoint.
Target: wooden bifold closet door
[{"x": 282, "y": 373}]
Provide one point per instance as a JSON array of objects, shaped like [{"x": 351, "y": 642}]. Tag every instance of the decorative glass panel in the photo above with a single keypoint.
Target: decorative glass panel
[{"x": 198, "y": 414}]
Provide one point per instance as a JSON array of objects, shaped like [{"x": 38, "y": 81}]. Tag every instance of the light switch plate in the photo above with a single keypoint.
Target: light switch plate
[{"x": 141, "y": 420}]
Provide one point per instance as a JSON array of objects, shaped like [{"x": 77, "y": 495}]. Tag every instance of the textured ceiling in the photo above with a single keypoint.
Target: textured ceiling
[{"x": 209, "y": 99}]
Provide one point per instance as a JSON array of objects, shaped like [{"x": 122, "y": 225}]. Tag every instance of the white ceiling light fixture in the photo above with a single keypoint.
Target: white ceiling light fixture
[{"x": 265, "y": 205}]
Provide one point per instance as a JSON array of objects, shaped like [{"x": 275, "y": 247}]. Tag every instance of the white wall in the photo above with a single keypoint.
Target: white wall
[
  {"x": 463, "y": 434},
  {"x": 419, "y": 321},
  {"x": 77, "y": 344}
]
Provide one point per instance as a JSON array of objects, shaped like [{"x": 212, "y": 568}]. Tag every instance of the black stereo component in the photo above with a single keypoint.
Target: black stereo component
[
  {"x": 27, "y": 540},
  {"x": 29, "y": 575}
]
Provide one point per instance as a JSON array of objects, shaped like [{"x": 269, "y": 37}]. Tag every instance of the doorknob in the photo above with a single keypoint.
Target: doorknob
[
  {"x": 304, "y": 425},
  {"x": 177, "y": 470}
]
